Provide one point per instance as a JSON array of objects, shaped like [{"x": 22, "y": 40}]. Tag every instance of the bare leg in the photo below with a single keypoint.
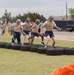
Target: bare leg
[
  {"x": 53, "y": 39},
  {"x": 32, "y": 39},
  {"x": 41, "y": 35},
  {"x": 28, "y": 37},
  {"x": 47, "y": 41},
  {"x": 42, "y": 38},
  {"x": 24, "y": 38}
]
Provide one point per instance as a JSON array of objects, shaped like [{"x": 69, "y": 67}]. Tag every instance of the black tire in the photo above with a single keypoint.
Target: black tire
[
  {"x": 16, "y": 47},
  {"x": 49, "y": 47},
  {"x": 69, "y": 51},
  {"x": 9, "y": 46},
  {"x": 3, "y": 44},
  {"x": 55, "y": 51},
  {"x": 38, "y": 45},
  {"x": 26, "y": 43},
  {"x": 42, "y": 50},
  {"x": 58, "y": 47},
  {"x": 25, "y": 48},
  {"x": 34, "y": 49}
]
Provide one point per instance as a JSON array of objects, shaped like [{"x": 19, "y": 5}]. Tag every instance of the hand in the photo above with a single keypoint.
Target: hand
[{"x": 59, "y": 29}]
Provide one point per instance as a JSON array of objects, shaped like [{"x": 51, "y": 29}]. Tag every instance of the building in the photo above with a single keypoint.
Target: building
[{"x": 62, "y": 18}]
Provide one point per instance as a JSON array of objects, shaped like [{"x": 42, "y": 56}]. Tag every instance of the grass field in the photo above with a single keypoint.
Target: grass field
[{"x": 28, "y": 63}]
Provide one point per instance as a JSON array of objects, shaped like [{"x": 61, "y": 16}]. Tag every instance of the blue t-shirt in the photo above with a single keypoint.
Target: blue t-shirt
[{"x": 40, "y": 25}]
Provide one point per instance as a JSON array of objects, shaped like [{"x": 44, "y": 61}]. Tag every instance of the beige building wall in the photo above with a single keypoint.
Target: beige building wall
[{"x": 61, "y": 18}]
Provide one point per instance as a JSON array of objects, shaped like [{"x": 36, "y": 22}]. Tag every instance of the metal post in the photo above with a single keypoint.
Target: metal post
[{"x": 66, "y": 12}]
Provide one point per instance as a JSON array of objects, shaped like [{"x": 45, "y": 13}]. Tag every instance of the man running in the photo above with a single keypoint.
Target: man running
[
  {"x": 49, "y": 25},
  {"x": 26, "y": 29},
  {"x": 35, "y": 32},
  {"x": 17, "y": 30}
]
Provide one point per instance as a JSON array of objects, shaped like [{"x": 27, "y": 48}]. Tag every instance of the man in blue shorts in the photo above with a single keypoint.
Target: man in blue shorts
[
  {"x": 49, "y": 25},
  {"x": 26, "y": 29},
  {"x": 35, "y": 32}
]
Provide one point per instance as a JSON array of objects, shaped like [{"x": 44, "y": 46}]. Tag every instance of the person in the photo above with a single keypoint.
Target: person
[
  {"x": 49, "y": 25},
  {"x": 17, "y": 30},
  {"x": 35, "y": 32},
  {"x": 26, "y": 29},
  {"x": 3, "y": 27},
  {"x": 39, "y": 31}
]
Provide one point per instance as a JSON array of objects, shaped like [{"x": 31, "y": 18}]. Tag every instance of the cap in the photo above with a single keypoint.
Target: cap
[
  {"x": 18, "y": 20},
  {"x": 37, "y": 21},
  {"x": 51, "y": 17},
  {"x": 27, "y": 19}
]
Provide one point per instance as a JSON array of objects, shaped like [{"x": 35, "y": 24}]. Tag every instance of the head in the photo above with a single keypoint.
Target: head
[
  {"x": 37, "y": 21},
  {"x": 18, "y": 21},
  {"x": 51, "y": 18},
  {"x": 32, "y": 22},
  {"x": 28, "y": 20}
]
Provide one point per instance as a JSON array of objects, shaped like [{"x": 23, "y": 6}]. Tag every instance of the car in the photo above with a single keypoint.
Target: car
[{"x": 70, "y": 28}]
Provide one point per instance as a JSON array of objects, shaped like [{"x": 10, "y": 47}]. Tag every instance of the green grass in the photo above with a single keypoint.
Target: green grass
[{"x": 13, "y": 62}]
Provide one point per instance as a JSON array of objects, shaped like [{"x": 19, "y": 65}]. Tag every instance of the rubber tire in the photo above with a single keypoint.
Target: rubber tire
[
  {"x": 26, "y": 43},
  {"x": 55, "y": 51},
  {"x": 9, "y": 46},
  {"x": 69, "y": 51},
  {"x": 25, "y": 48},
  {"x": 38, "y": 45},
  {"x": 34, "y": 49},
  {"x": 42, "y": 50},
  {"x": 3, "y": 44},
  {"x": 16, "y": 47}
]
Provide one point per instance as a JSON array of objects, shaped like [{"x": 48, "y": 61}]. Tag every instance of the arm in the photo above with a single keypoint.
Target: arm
[
  {"x": 21, "y": 25},
  {"x": 56, "y": 26},
  {"x": 18, "y": 27}
]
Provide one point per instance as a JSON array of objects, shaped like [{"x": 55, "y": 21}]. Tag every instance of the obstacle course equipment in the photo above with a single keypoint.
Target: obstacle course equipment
[
  {"x": 25, "y": 48},
  {"x": 55, "y": 51},
  {"x": 9, "y": 46},
  {"x": 16, "y": 47},
  {"x": 3, "y": 44},
  {"x": 39, "y": 49}
]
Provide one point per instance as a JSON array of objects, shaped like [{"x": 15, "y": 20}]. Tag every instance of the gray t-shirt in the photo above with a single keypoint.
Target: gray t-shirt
[{"x": 3, "y": 26}]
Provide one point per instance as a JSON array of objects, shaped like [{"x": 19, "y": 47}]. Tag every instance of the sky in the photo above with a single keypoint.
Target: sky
[{"x": 44, "y": 7}]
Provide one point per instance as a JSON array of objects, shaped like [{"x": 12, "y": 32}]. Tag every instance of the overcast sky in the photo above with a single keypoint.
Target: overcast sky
[{"x": 45, "y": 7}]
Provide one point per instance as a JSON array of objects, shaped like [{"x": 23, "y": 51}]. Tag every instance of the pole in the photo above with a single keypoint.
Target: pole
[
  {"x": 66, "y": 14},
  {"x": 66, "y": 11},
  {"x": 62, "y": 14}
]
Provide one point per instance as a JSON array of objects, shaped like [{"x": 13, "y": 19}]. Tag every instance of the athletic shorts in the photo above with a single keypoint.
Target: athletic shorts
[
  {"x": 26, "y": 32},
  {"x": 49, "y": 33},
  {"x": 34, "y": 34}
]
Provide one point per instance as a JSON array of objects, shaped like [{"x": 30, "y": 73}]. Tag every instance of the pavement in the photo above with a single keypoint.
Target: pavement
[{"x": 64, "y": 35}]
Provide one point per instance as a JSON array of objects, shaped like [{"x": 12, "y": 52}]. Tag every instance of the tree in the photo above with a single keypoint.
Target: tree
[
  {"x": 71, "y": 12},
  {"x": 32, "y": 16},
  {"x": 7, "y": 16}
]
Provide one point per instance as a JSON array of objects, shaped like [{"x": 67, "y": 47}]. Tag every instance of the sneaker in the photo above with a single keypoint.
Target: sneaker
[
  {"x": 12, "y": 43},
  {"x": 42, "y": 43}
]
